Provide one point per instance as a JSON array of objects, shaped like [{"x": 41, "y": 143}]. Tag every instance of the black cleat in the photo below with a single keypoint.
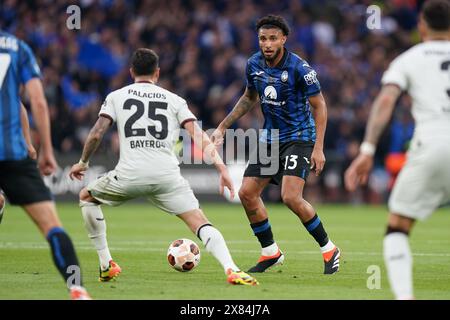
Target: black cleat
[
  {"x": 265, "y": 263},
  {"x": 332, "y": 265}
]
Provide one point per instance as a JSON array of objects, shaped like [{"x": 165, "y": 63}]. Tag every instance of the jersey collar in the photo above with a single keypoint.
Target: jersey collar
[{"x": 144, "y": 81}]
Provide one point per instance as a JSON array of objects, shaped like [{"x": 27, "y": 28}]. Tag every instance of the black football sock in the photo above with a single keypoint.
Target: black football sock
[
  {"x": 315, "y": 228},
  {"x": 64, "y": 256},
  {"x": 263, "y": 232}
]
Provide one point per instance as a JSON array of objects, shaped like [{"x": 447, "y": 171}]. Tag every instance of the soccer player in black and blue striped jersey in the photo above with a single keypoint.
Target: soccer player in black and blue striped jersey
[
  {"x": 20, "y": 179},
  {"x": 295, "y": 115}
]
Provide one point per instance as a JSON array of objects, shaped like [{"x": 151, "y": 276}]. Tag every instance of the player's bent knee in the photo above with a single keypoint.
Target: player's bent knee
[
  {"x": 86, "y": 199},
  {"x": 84, "y": 195},
  {"x": 289, "y": 198},
  {"x": 247, "y": 195}
]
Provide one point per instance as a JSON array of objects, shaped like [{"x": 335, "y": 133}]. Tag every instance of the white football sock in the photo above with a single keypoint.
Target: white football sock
[
  {"x": 96, "y": 227},
  {"x": 270, "y": 250},
  {"x": 398, "y": 260},
  {"x": 328, "y": 247},
  {"x": 215, "y": 244}
]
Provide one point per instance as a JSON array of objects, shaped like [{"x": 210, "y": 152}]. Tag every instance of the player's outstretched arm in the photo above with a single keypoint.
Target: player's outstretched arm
[
  {"x": 47, "y": 162},
  {"x": 244, "y": 105},
  {"x": 202, "y": 140},
  {"x": 26, "y": 132},
  {"x": 319, "y": 111},
  {"x": 92, "y": 142},
  {"x": 382, "y": 108}
]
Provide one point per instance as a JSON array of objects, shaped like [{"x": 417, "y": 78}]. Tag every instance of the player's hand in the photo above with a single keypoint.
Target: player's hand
[
  {"x": 31, "y": 152},
  {"x": 317, "y": 161},
  {"x": 225, "y": 181},
  {"x": 217, "y": 137},
  {"x": 77, "y": 171},
  {"x": 47, "y": 163},
  {"x": 358, "y": 172}
]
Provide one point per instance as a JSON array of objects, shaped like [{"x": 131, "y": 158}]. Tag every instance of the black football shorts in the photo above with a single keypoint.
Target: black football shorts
[
  {"x": 291, "y": 159},
  {"x": 22, "y": 183}
]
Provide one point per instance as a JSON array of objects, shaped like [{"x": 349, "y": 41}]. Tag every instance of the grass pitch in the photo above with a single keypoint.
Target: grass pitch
[{"x": 139, "y": 235}]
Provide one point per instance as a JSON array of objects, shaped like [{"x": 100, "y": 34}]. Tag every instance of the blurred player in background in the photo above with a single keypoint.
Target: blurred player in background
[
  {"x": 19, "y": 177},
  {"x": 149, "y": 118},
  {"x": 292, "y": 103},
  {"x": 424, "y": 182},
  {"x": 30, "y": 148}
]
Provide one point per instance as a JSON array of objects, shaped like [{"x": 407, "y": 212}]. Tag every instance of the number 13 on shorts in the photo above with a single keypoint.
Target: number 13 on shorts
[{"x": 290, "y": 162}]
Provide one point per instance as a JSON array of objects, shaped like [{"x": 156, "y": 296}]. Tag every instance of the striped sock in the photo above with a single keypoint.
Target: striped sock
[
  {"x": 315, "y": 228},
  {"x": 263, "y": 231}
]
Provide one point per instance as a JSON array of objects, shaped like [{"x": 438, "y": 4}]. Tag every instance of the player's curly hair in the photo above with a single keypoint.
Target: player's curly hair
[
  {"x": 273, "y": 21},
  {"x": 437, "y": 14}
]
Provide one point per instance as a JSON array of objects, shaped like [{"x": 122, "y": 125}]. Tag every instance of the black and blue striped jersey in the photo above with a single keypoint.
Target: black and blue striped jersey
[
  {"x": 283, "y": 92},
  {"x": 17, "y": 66}
]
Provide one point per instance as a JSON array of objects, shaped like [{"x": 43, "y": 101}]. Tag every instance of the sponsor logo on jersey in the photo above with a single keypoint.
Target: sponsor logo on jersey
[
  {"x": 9, "y": 43},
  {"x": 270, "y": 93},
  {"x": 284, "y": 76},
  {"x": 257, "y": 73},
  {"x": 311, "y": 78}
]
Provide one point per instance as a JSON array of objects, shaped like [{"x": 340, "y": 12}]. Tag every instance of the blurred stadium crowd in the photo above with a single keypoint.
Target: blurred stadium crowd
[{"x": 203, "y": 48}]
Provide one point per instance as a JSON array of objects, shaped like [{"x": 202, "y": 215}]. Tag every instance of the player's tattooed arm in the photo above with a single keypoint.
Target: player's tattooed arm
[
  {"x": 381, "y": 112},
  {"x": 92, "y": 142},
  {"x": 244, "y": 105},
  {"x": 202, "y": 140},
  {"x": 95, "y": 137},
  {"x": 382, "y": 108}
]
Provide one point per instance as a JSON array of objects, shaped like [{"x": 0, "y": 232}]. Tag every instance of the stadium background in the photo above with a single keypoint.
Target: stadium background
[{"x": 203, "y": 48}]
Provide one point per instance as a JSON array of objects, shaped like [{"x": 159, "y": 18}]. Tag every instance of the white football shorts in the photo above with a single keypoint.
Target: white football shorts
[
  {"x": 424, "y": 182},
  {"x": 174, "y": 197}
]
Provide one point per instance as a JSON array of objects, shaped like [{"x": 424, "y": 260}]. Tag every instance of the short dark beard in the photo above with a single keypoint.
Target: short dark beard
[{"x": 275, "y": 56}]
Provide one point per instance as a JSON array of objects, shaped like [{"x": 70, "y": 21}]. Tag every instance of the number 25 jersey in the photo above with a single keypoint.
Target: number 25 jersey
[{"x": 148, "y": 119}]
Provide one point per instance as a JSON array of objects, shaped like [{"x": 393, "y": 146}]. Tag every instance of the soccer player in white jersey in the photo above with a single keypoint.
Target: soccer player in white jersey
[
  {"x": 424, "y": 182},
  {"x": 149, "y": 118}
]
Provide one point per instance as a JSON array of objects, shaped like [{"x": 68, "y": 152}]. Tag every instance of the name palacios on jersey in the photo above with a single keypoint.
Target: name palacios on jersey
[
  {"x": 141, "y": 143},
  {"x": 149, "y": 95}
]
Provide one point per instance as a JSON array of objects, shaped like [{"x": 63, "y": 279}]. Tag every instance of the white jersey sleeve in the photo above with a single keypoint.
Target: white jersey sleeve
[
  {"x": 107, "y": 108},
  {"x": 423, "y": 71},
  {"x": 396, "y": 73},
  {"x": 183, "y": 113}
]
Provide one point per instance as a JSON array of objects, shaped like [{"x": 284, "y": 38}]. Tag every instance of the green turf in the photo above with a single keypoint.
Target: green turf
[{"x": 139, "y": 235}]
